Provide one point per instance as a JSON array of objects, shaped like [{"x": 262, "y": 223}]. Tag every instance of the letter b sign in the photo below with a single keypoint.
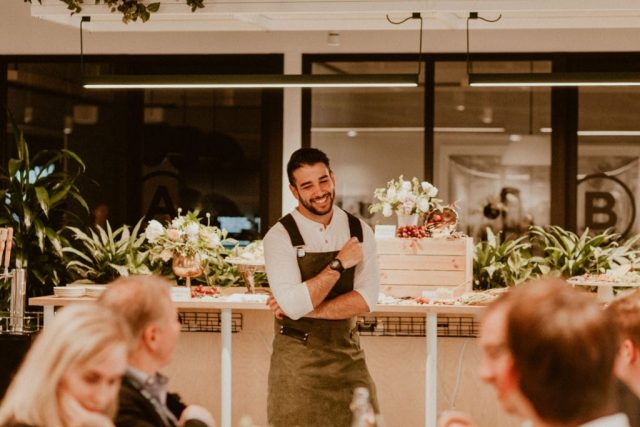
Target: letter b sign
[
  {"x": 605, "y": 202},
  {"x": 598, "y": 210}
]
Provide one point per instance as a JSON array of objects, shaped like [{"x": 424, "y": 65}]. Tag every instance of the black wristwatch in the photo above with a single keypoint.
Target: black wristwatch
[{"x": 336, "y": 265}]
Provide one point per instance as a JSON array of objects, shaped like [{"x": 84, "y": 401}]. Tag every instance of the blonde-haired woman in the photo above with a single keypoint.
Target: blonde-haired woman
[{"x": 71, "y": 375}]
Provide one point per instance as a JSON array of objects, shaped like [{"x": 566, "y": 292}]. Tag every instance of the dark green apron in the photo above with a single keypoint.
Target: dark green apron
[{"x": 316, "y": 364}]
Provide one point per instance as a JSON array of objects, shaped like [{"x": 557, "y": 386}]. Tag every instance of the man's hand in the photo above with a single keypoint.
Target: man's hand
[
  {"x": 351, "y": 253},
  {"x": 195, "y": 412},
  {"x": 273, "y": 305}
]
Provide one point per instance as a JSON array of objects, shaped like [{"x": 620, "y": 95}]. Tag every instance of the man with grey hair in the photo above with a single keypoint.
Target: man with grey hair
[{"x": 145, "y": 304}]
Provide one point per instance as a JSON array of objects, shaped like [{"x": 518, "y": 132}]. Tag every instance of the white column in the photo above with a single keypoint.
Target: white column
[
  {"x": 292, "y": 124},
  {"x": 431, "y": 370},
  {"x": 225, "y": 368}
]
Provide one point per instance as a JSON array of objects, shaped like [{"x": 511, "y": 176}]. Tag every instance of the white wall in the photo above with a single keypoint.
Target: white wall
[{"x": 22, "y": 34}]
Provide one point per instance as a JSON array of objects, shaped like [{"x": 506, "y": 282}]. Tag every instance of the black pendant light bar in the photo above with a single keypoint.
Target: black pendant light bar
[
  {"x": 249, "y": 81},
  {"x": 554, "y": 79}
]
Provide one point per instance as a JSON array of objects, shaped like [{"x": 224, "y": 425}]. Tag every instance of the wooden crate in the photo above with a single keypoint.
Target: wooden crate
[{"x": 410, "y": 266}]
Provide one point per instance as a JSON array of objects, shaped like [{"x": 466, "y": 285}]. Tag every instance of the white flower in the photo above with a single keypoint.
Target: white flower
[
  {"x": 166, "y": 255},
  {"x": 177, "y": 222},
  {"x": 212, "y": 239},
  {"x": 386, "y": 209},
  {"x": 153, "y": 231},
  {"x": 192, "y": 229},
  {"x": 391, "y": 193},
  {"x": 423, "y": 204},
  {"x": 405, "y": 196}
]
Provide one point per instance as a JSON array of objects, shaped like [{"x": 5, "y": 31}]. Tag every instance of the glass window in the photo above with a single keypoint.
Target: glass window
[
  {"x": 202, "y": 151},
  {"x": 493, "y": 148},
  {"x": 54, "y": 111},
  {"x": 371, "y": 135},
  {"x": 150, "y": 152},
  {"x": 608, "y": 159}
]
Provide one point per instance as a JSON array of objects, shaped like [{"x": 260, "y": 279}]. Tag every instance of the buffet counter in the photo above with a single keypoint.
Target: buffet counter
[{"x": 384, "y": 354}]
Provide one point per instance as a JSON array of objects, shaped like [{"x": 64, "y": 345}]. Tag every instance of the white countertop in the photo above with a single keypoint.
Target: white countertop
[{"x": 223, "y": 303}]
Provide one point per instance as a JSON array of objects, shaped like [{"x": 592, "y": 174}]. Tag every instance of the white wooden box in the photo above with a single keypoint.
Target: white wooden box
[{"x": 410, "y": 266}]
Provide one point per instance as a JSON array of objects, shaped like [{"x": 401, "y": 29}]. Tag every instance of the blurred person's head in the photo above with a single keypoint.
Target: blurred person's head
[
  {"x": 80, "y": 355},
  {"x": 496, "y": 366},
  {"x": 626, "y": 314},
  {"x": 144, "y": 302},
  {"x": 563, "y": 346}
]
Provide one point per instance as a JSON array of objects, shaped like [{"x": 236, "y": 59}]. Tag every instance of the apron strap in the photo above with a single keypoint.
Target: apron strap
[
  {"x": 355, "y": 229},
  {"x": 292, "y": 228}
]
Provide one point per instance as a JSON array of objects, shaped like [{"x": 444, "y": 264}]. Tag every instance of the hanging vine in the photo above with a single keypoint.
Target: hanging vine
[{"x": 131, "y": 10}]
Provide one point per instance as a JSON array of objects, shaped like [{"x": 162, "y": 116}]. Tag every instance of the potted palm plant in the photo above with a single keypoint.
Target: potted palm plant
[{"x": 38, "y": 198}]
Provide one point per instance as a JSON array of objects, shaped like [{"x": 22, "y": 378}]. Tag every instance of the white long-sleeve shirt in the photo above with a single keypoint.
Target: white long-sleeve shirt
[{"x": 282, "y": 268}]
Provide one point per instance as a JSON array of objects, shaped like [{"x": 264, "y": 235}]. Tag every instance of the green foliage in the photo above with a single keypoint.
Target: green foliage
[
  {"x": 218, "y": 272},
  {"x": 103, "y": 255},
  {"x": 558, "y": 252},
  {"x": 131, "y": 10},
  {"x": 568, "y": 254},
  {"x": 37, "y": 197},
  {"x": 498, "y": 263}
]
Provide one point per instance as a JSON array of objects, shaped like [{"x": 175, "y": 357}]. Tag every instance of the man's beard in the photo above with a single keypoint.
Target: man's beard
[{"x": 308, "y": 206}]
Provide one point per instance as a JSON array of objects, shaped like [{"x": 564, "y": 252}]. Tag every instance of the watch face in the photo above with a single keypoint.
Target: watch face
[{"x": 336, "y": 265}]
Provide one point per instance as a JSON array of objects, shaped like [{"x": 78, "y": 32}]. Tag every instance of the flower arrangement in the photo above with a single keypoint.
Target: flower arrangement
[
  {"x": 184, "y": 236},
  {"x": 406, "y": 197}
]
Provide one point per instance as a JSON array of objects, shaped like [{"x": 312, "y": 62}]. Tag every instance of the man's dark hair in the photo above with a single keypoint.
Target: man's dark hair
[
  {"x": 626, "y": 313},
  {"x": 305, "y": 156},
  {"x": 563, "y": 345}
]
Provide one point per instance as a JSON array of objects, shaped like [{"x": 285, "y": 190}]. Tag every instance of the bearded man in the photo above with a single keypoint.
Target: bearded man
[{"x": 322, "y": 268}]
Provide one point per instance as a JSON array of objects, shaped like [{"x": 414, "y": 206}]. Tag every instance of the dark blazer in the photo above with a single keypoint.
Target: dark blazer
[
  {"x": 628, "y": 403},
  {"x": 134, "y": 410}
]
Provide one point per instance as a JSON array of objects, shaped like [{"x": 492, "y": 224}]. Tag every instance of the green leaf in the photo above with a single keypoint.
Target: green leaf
[
  {"x": 76, "y": 252},
  {"x": 15, "y": 165},
  {"x": 75, "y": 157},
  {"x": 153, "y": 7},
  {"x": 43, "y": 199},
  {"x": 122, "y": 270},
  {"x": 79, "y": 199}
]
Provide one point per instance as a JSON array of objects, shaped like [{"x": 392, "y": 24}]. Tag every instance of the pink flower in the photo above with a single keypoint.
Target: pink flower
[{"x": 173, "y": 234}]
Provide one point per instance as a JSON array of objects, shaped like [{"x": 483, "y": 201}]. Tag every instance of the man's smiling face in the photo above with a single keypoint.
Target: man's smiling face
[{"x": 314, "y": 187}]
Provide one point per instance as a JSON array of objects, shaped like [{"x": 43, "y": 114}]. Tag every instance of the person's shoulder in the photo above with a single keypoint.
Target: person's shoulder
[
  {"x": 276, "y": 231},
  {"x": 130, "y": 397},
  {"x": 367, "y": 231},
  {"x": 127, "y": 389}
]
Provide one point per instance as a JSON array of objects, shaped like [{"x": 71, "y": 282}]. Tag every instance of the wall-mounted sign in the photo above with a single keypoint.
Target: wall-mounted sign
[{"x": 605, "y": 202}]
